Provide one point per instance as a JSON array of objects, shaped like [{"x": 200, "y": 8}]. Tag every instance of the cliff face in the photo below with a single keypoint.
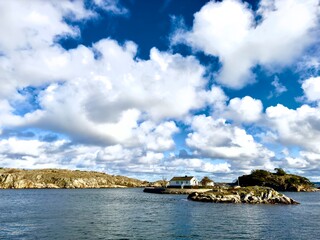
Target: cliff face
[
  {"x": 58, "y": 178},
  {"x": 279, "y": 181}
]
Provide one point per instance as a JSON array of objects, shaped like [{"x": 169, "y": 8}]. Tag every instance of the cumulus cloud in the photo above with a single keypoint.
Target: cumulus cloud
[
  {"x": 197, "y": 165},
  {"x": 296, "y": 129},
  {"x": 297, "y": 163},
  {"x": 106, "y": 97},
  {"x": 214, "y": 138},
  {"x": 116, "y": 111},
  {"x": 109, "y": 110},
  {"x": 243, "y": 110},
  {"x": 303, "y": 163},
  {"x": 104, "y": 91},
  {"x": 311, "y": 88},
  {"x": 33, "y": 153},
  {"x": 35, "y": 24},
  {"x": 299, "y": 127},
  {"x": 228, "y": 29}
]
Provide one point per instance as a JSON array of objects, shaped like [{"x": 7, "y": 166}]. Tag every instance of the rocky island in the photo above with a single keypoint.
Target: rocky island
[
  {"x": 251, "y": 195},
  {"x": 59, "y": 178},
  {"x": 280, "y": 181}
]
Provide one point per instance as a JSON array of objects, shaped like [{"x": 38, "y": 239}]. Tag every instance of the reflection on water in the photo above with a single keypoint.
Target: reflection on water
[{"x": 132, "y": 214}]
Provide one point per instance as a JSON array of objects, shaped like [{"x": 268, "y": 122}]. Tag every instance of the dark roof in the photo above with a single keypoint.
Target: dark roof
[{"x": 185, "y": 178}]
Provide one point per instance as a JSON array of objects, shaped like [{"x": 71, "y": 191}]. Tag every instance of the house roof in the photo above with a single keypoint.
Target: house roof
[{"x": 185, "y": 178}]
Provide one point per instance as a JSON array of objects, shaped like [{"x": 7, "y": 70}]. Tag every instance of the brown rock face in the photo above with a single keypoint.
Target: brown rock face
[{"x": 58, "y": 178}]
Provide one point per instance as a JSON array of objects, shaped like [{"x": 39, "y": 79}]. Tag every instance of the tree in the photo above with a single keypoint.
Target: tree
[
  {"x": 205, "y": 180},
  {"x": 280, "y": 172},
  {"x": 163, "y": 182}
]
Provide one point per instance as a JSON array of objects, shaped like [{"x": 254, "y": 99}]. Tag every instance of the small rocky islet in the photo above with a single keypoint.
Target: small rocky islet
[
  {"x": 249, "y": 195},
  {"x": 278, "y": 180}
]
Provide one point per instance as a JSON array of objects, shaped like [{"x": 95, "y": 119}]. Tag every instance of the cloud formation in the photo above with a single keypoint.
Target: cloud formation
[
  {"x": 244, "y": 110},
  {"x": 299, "y": 127},
  {"x": 311, "y": 88},
  {"x": 99, "y": 106},
  {"x": 230, "y": 30},
  {"x": 214, "y": 138}
]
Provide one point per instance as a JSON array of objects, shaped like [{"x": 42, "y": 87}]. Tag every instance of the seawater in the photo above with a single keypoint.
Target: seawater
[{"x": 132, "y": 214}]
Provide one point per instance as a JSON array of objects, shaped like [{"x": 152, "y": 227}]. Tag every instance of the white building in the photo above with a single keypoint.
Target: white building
[{"x": 186, "y": 181}]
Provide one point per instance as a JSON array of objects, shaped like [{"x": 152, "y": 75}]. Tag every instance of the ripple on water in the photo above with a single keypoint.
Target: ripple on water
[{"x": 132, "y": 214}]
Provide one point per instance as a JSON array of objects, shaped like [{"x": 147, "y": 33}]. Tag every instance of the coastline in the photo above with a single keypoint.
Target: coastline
[
  {"x": 160, "y": 190},
  {"x": 61, "y": 178}
]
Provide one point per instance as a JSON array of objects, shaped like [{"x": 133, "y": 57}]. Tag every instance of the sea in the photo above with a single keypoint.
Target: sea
[{"x": 133, "y": 214}]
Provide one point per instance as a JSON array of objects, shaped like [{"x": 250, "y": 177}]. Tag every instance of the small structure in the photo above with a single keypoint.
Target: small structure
[
  {"x": 208, "y": 184},
  {"x": 186, "y": 181}
]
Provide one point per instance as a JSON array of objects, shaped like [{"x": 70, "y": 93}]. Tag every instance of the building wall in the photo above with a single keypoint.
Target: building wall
[{"x": 192, "y": 182}]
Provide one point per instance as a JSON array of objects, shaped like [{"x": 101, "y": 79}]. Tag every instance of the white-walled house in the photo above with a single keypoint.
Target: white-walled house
[{"x": 186, "y": 181}]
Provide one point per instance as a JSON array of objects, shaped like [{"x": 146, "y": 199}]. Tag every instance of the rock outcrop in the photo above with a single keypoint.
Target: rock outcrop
[
  {"x": 59, "y": 178},
  {"x": 251, "y": 195},
  {"x": 280, "y": 181}
]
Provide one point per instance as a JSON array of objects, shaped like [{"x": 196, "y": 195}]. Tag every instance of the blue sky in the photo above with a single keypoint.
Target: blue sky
[{"x": 153, "y": 89}]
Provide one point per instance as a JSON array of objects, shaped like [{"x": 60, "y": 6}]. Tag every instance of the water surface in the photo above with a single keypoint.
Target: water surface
[{"x": 132, "y": 214}]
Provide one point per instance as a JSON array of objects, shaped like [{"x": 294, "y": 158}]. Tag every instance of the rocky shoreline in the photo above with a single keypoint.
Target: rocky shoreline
[
  {"x": 59, "y": 178},
  {"x": 249, "y": 195}
]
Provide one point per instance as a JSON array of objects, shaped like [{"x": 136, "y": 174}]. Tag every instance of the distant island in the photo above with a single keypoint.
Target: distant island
[
  {"x": 259, "y": 187},
  {"x": 11, "y": 178},
  {"x": 279, "y": 181}
]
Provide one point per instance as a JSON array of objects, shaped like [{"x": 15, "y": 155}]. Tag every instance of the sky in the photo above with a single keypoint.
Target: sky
[{"x": 156, "y": 89}]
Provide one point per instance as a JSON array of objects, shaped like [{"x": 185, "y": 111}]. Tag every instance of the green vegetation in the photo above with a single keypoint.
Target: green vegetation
[{"x": 280, "y": 180}]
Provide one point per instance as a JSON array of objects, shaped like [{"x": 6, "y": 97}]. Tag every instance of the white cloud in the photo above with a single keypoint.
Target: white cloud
[
  {"x": 304, "y": 163},
  {"x": 228, "y": 30},
  {"x": 296, "y": 163},
  {"x": 217, "y": 139},
  {"x": 29, "y": 153},
  {"x": 244, "y": 110},
  {"x": 105, "y": 98},
  {"x": 279, "y": 88},
  {"x": 35, "y": 24},
  {"x": 298, "y": 130},
  {"x": 197, "y": 165},
  {"x": 112, "y": 6},
  {"x": 299, "y": 127},
  {"x": 33, "y": 153},
  {"x": 119, "y": 113},
  {"x": 151, "y": 158},
  {"x": 311, "y": 88},
  {"x": 155, "y": 137},
  {"x": 101, "y": 95}
]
